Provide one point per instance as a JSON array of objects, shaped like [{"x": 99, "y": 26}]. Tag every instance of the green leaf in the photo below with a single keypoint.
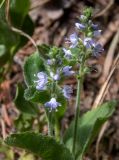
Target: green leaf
[
  {"x": 23, "y": 105},
  {"x": 18, "y": 11},
  {"x": 24, "y": 122},
  {"x": 33, "y": 95},
  {"x": 61, "y": 109},
  {"x": 7, "y": 37},
  {"x": 88, "y": 127},
  {"x": 44, "y": 146},
  {"x": 2, "y": 50},
  {"x": 27, "y": 27},
  {"x": 19, "y": 19},
  {"x": 32, "y": 66},
  {"x": 4, "y": 56},
  {"x": 44, "y": 50}
]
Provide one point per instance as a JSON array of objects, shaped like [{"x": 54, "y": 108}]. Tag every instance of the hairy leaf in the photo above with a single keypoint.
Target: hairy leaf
[
  {"x": 31, "y": 94},
  {"x": 44, "y": 146},
  {"x": 23, "y": 105},
  {"x": 32, "y": 66}
]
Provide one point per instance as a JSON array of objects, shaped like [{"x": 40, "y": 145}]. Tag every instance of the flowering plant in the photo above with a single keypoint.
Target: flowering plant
[{"x": 44, "y": 73}]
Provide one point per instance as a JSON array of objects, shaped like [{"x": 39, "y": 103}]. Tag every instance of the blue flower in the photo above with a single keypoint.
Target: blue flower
[
  {"x": 56, "y": 76},
  {"x": 67, "y": 71},
  {"x": 97, "y": 49},
  {"x": 42, "y": 81},
  {"x": 94, "y": 26},
  {"x": 52, "y": 104},
  {"x": 50, "y": 61},
  {"x": 74, "y": 40},
  {"x": 68, "y": 53},
  {"x": 97, "y": 33},
  {"x": 80, "y": 26},
  {"x": 88, "y": 42},
  {"x": 67, "y": 91},
  {"x": 82, "y": 17}
]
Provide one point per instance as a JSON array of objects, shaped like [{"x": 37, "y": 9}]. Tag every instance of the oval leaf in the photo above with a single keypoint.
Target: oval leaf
[
  {"x": 33, "y": 95},
  {"x": 45, "y": 147},
  {"x": 88, "y": 127},
  {"x": 32, "y": 66},
  {"x": 23, "y": 105}
]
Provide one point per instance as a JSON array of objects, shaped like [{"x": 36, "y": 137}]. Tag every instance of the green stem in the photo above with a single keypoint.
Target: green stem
[
  {"x": 50, "y": 127},
  {"x": 50, "y": 115},
  {"x": 79, "y": 87},
  {"x": 1, "y": 4},
  {"x": 57, "y": 130}
]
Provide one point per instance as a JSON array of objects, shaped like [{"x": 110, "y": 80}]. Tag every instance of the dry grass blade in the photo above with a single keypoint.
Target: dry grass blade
[
  {"x": 100, "y": 96},
  {"x": 110, "y": 55},
  {"x": 104, "y": 127},
  {"x": 101, "y": 13}
]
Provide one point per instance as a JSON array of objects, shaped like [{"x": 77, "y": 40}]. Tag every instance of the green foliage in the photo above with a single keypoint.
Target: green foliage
[
  {"x": 44, "y": 146},
  {"x": 31, "y": 94},
  {"x": 24, "y": 122},
  {"x": 3, "y": 54},
  {"x": 18, "y": 18},
  {"x": 27, "y": 157},
  {"x": 18, "y": 11},
  {"x": 44, "y": 50},
  {"x": 23, "y": 105},
  {"x": 88, "y": 127},
  {"x": 62, "y": 109},
  {"x": 6, "y": 151}
]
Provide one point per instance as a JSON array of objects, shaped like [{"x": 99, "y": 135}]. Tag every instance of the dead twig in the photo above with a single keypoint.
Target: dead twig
[
  {"x": 5, "y": 116},
  {"x": 3, "y": 128}
]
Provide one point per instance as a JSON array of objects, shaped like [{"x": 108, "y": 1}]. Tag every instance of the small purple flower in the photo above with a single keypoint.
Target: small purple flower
[
  {"x": 94, "y": 26},
  {"x": 88, "y": 42},
  {"x": 82, "y": 17},
  {"x": 97, "y": 33},
  {"x": 50, "y": 61},
  {"x": 80, "y": 26},
  {"x": 56, "y": 76},
  {"x": 42, "y": 81},
  {"x": 97, "y": 49},
  {"x": 68, "y": 53},
  {"x": 52, "y": 104},
  {"x": 74, "y": 40},
  {"x": 67, "y": 71},
  {"x": 67, "y": 91}
]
